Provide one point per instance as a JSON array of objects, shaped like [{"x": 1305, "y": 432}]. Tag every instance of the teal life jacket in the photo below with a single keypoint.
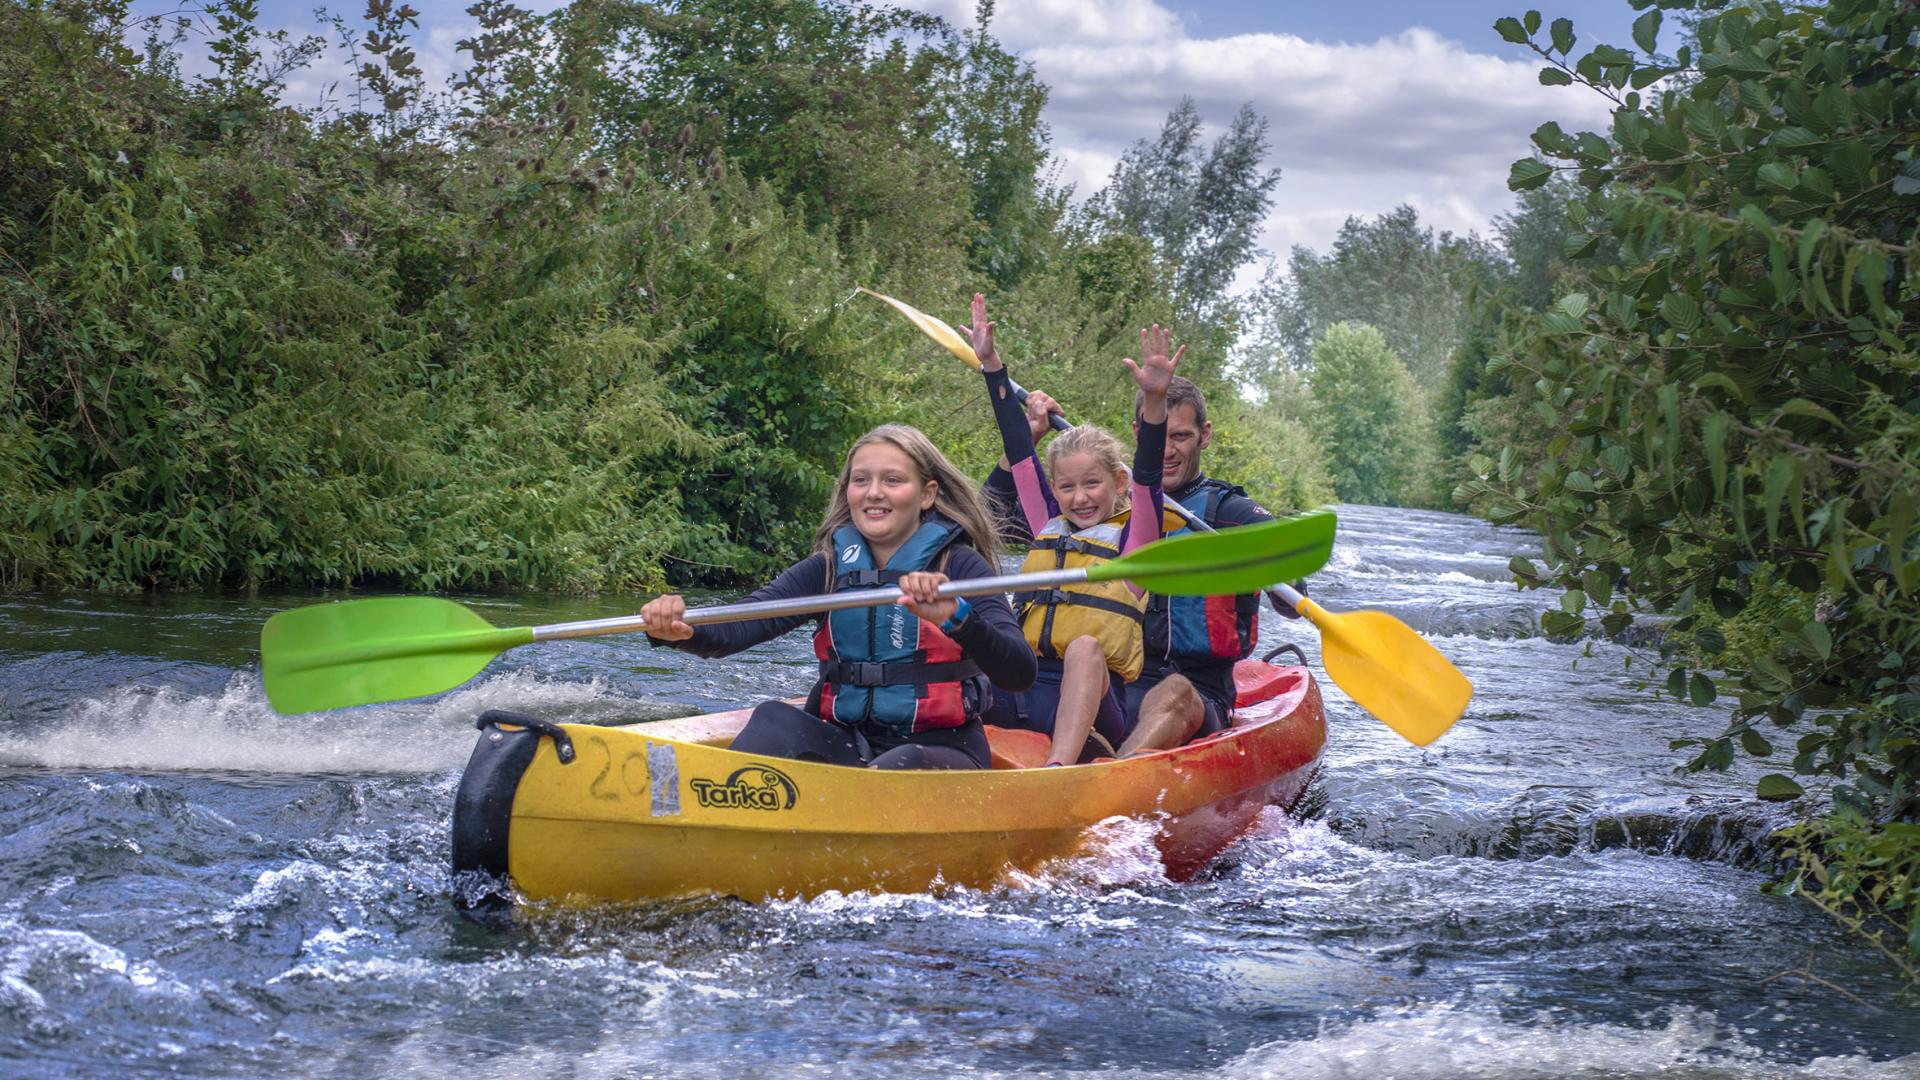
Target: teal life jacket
[{"x": 882, "y": 665}]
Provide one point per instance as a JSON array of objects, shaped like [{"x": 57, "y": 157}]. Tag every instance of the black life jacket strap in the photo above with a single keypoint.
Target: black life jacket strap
[
  {"x": 1076, "y": 545},
  {"x": 1052, "y": 597},
  {"x": 868, "y": 673}
]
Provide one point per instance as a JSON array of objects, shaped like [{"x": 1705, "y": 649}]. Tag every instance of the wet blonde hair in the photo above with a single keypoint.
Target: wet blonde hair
[
  {"x": 1098, "y": 441},
  {"x": 956, "y": 496}
]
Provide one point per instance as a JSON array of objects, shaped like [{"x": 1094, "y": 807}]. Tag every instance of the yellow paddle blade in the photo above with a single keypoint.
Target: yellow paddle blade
[
  {"x": 955, "y": 342},
  {"x": 1390, "y": 671}
]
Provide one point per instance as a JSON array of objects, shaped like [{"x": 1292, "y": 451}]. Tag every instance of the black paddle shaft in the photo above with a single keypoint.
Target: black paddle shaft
[{"x": 1060, "y": 423}]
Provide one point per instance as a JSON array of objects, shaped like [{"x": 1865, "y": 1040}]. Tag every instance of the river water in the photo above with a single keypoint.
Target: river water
[{"x": 192, "y": 885}]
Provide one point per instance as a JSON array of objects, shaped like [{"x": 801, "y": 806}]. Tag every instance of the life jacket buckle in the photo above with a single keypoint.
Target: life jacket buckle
[{"x": 862, "y": 673}]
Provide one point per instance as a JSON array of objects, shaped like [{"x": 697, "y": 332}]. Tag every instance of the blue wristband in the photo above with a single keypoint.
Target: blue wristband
[{"x": 960, "y": 612}]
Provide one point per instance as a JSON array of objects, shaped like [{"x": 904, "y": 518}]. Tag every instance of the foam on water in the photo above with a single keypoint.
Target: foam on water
[
  {"x": 31, "y": 955},
  {"x": 163, "y": 729},
  {"x": 1113, "y": 853},
  {"x": 1117, "y": 856},
  {"x": 1421, "y": 1042},
  {"x": 1449, "y": 1042}
]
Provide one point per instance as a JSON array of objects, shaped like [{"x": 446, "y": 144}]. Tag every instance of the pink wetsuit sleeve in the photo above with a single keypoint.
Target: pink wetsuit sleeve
[{"x": 1035, "y": 500}]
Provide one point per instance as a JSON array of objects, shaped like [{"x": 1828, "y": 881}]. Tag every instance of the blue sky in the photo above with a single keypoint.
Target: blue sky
[
  {"x": 1468, "y": 21},
  {"x": 1372, "y": 103}
]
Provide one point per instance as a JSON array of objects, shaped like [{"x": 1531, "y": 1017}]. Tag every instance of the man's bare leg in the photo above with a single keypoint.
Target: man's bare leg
[
  {"x": 1083, "y": 678},
  {"x": 1170, "y": 714}
]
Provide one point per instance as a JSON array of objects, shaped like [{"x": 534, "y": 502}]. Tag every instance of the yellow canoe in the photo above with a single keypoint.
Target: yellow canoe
[{"x": 582, "y": 813}]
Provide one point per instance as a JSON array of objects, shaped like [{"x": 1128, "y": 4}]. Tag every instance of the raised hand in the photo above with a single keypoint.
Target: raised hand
[
  {"x": 921, "y": 595},
  {"x": 663, "y": 615},
  {"x": 1154, "y": 372},
  {"x": 983, "y": 336},
  {"x": 1039, "y": 407}
]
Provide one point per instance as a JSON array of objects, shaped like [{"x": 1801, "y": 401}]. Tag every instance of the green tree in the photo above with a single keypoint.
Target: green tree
[
  {"x": 548, "y": 334},
  {"x": 297, "y": 353},
  {"x": 847, "y": 110},
  {"x": 1203, "y": 214},
  {"x": 1738, "y": 404},
  {"x": 993, "y": 121},
  {"x": 1368, "y": 413},
  {"x": 1391, "y": 273},
  {"x": 1534, "y": 239},
  {"x": 1467, "y": 384}
]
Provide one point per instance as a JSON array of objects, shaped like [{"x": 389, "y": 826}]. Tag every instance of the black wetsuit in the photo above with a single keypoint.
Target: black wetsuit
[{"x": 988, "y": 636}]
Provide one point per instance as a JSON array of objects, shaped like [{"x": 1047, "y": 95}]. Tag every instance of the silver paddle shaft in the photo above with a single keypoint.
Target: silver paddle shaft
[
  {"x": 1278, "y": 594},
  {"x": 808, "y": 605}
]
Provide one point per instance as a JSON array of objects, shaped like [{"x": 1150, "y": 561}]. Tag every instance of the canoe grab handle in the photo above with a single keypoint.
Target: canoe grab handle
[
  {"x": 1296, "y": 650},
  {"x": 562, "y": 745}
]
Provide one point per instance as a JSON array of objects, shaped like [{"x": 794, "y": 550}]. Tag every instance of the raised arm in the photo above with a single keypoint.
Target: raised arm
[
  {"x": 1016, "y": 437},
  {"x": 1003, "y": 498},
  {"x": 1154, "y": 375}
]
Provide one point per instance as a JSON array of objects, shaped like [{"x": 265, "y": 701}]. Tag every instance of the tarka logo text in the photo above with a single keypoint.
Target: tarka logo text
[{"x": 756, "y": 787}]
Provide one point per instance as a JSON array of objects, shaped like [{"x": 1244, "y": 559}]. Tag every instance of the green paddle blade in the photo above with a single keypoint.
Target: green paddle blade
[
  {"x": 1390, "y": 671},
  {"x": 1239, "y": 560},
  {"x": 330, "y": 656}
]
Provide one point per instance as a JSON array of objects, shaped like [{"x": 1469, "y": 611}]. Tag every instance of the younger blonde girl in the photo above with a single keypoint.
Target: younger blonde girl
[{"x": 1082, "y": 509}]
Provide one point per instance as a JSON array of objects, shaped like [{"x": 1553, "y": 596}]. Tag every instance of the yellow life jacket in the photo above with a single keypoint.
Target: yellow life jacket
[{"x": 1107, "y": 610}]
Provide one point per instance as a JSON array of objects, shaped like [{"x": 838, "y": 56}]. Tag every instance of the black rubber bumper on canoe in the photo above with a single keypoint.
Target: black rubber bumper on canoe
[{"x": 483, "y": 805}]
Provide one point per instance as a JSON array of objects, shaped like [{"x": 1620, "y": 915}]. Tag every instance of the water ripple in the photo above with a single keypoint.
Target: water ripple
[{"x": 191, "y": 884}]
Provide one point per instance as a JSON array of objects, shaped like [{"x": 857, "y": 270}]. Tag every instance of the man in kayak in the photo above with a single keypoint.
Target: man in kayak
[{"x": 1186, "y": 689}]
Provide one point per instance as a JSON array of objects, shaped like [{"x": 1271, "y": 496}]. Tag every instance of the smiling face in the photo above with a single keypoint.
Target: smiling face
[
  {"x": 1085, "y": 488},
  {"x": 886, "y": 496},
  {"x": 1186, "y": 437}
]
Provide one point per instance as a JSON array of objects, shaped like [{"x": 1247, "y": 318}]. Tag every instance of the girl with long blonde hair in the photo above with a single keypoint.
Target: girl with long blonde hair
[{"x": 901, "y": 686}]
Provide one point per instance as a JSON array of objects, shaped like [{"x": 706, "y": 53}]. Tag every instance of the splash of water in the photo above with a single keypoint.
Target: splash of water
[{"x": 164, "y": 729}]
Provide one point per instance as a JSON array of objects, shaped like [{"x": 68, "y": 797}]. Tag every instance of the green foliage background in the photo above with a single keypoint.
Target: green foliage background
[
  {"x": 1717, "y": 419},
  {"x": 1365, "y": 397},
  {"x": 586, "y": 323}
]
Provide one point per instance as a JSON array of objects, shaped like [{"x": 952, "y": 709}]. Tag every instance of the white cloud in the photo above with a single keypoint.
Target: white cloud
[
  {"x": 1020, "y": 23},
  {"x": 1356, "y": 129},
  {"x": 1085, "y": 168}
]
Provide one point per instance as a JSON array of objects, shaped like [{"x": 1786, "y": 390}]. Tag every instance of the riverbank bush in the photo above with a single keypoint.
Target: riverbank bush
[
  {"x": 564, "y": 329},
  {"x": 1736, "y": 405},
  {"x": 292, "y": 354}
]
